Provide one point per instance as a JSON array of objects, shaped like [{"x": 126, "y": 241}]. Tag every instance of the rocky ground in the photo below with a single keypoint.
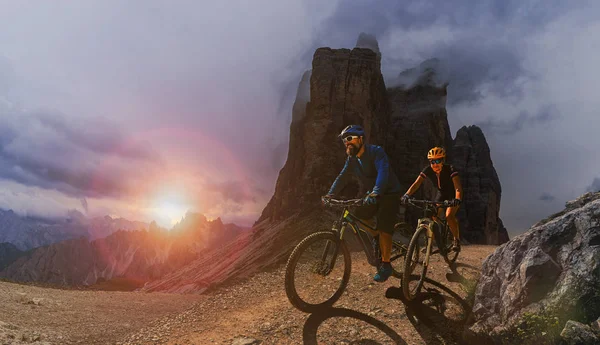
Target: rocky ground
[{"x": 252, "y": 312}]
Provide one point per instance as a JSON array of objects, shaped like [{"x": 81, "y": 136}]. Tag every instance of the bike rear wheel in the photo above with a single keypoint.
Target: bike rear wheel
[
  {"x": 317, "y": 272},
  {"x": 415, "y": 265},
  {"x": 451, "y": 255}
]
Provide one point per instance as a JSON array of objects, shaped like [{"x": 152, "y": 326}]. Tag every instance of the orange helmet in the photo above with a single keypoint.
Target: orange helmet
[{"x": 436, "y": 153}]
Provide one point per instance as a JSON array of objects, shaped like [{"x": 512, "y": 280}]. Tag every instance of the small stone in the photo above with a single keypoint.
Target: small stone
[
  {"x": 36, "y": 301},
  {"x": 244, "y": 341},
  {"x": 578, "y": 333},
  {"x": 265, "y": 326}
]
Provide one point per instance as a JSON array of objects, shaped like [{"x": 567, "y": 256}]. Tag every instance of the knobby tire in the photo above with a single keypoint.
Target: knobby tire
[
  {"x": 409, "y": 266},
  {"x": 292, "y": 262}
]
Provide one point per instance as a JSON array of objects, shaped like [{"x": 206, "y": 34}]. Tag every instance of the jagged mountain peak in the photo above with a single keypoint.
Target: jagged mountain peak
[
  {"x": 431, "y": 72},
  {"x": 368, "y": 41}
]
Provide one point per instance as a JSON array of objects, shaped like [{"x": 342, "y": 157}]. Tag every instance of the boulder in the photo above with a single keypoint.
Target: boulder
[
  {"x": 576, "y": 333},
  {"x": 553, "y": 269},
  {"x": 346, "y": 87}
]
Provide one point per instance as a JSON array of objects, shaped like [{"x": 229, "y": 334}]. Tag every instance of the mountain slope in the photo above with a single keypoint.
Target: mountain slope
[
  {"x": 31, "y": 232},
  {"x": 137, "y": 256},
  {"x": 8, "y": 254}
]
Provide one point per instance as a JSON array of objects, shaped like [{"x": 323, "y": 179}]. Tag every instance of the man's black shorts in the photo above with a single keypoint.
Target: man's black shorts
[{"x": 386, "y": 210}]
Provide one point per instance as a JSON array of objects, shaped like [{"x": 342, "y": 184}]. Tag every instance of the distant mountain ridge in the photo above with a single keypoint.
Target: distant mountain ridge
[
  {"x": 26, "y": 232},
  {"x": 137, "y": 256}
]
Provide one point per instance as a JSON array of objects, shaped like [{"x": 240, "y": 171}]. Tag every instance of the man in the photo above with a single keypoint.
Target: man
[
  {"x": 447, "y": 181},
  {"x": 371, "y": 166}
]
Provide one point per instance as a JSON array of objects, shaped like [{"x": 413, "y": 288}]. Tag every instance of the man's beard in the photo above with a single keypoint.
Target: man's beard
[{"x": 352, "y": 150}]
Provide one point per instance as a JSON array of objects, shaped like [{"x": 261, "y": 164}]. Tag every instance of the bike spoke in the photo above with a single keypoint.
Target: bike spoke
[
  {"x": 415, "y": 267},
  {"x": 314, "y": 278}
]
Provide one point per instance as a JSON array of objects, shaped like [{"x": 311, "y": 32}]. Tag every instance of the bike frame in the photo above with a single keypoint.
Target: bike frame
[
  {"x": 347, "y": 219},
  {"x": 433, "y": 232}
]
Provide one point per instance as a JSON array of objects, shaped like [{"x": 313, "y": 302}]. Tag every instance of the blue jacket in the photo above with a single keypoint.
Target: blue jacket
[{"x": 372, "y": 169}]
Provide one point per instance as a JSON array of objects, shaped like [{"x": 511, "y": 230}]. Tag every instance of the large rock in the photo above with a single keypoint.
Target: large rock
[
  {"x": 552, "y": 269},
  {"x": 346, "y": 87},
  {"x": 480, "y": 215},
  {"x": 419, "y": 121},
  {"x": 576, "y": 333},
  {"x": 302, "y": 98}
]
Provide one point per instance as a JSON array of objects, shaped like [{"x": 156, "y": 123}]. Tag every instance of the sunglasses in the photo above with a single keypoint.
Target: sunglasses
[
  {"x": 436, "y": 161},
  {"x": 349, "y": 138}
]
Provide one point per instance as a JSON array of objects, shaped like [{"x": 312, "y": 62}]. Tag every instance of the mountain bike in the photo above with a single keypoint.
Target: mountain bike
[
  {"x": 318, "y": 270},
  {"x": 428, "y": 229}
]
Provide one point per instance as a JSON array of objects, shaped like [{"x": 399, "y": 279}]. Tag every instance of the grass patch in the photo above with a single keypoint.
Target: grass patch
[{"x": 534, "y": 329}]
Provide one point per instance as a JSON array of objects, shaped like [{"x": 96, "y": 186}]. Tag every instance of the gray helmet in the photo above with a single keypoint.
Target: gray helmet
[{"x": 353, "y": 130}]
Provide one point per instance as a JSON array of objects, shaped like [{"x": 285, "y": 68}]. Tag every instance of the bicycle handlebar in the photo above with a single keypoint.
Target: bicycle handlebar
[
  {"x": 359, "y": 202},
  {"x": 414, "y": 202},
  {"x": 341, "y": 203}
]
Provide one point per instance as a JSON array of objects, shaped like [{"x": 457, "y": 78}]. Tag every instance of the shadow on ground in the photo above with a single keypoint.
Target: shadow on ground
[
  {"x": 438, "y": 314},
  {"x": 311, "y": 326}
]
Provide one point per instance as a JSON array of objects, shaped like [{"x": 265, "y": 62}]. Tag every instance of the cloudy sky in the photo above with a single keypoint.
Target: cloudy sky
[{"x": 144, "y": 109}]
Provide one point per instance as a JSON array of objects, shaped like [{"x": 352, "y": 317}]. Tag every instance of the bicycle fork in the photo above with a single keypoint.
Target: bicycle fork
[
  {"x": 430, "y": 236},
  {"x": 335, "y": 250}
]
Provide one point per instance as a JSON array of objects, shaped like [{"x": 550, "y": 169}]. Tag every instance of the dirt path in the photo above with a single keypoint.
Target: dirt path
[
  {"x": 30, "y": 314},
  {"x": 253, "y": 312},
  {"x": 258, "y": 312}
]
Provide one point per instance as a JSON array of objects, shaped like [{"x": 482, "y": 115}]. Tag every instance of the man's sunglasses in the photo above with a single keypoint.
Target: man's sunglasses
[
  {"x": 349, "y": 138},
  {"x": 436, "y": 161}
]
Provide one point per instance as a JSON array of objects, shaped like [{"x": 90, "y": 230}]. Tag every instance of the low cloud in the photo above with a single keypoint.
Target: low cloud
[
  {"x": 236, "y": 192},
  {"x": 547, "y": 197},
  {"x": 525, "y": 119}
]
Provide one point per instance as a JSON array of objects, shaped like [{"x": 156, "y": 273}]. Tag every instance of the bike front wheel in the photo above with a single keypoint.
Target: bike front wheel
[
  {"x": 415, "y": 264},
  {"x": 317, "y": 272}
]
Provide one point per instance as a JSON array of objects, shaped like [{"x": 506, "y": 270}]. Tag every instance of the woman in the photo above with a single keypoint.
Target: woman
[{"x": 446, "y": 180}]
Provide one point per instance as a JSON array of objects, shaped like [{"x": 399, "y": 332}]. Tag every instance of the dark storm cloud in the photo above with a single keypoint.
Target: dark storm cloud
[
  {"x": 482, "y": 54},
  {"x": 547, "y": 197},
  {"x": 51, "y": 151},
  {"x": 100, "y": 137},
  {"x": 544, "y": 115},
  {"x": 377, "y": 17},
  {"x": 595, "y": 186}
]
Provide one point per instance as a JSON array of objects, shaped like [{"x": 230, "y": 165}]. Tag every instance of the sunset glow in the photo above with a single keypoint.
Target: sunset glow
[
  {"x": 171, "y": 211},
  {"x": 169, "y": 207}
]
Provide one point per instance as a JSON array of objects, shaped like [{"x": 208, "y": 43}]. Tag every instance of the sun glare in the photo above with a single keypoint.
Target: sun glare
[{"x": 168, "y": 211}]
